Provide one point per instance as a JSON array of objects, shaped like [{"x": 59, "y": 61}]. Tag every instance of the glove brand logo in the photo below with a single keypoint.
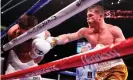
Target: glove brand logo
[{"x": 39, "y": 52}]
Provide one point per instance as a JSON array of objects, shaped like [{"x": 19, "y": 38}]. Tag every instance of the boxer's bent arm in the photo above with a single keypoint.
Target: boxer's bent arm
[
  {"x": 117, "y": 33},
  {"x": 38, "y": 59},
  {"x": 43, "y": 35},
  {"x": 12, "y": 32}
]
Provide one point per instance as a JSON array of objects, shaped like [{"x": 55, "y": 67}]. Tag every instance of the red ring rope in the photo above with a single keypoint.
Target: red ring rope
[{"x": 93, "y": 56}]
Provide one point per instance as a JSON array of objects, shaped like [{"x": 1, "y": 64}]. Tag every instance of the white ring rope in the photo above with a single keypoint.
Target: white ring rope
[{"x": 69, "y": 11}]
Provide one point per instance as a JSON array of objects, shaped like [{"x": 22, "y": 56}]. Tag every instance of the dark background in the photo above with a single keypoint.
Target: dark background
[{"x": 71, "y": 25}]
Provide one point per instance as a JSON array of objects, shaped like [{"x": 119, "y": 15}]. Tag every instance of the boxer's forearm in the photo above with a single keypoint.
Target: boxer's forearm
[{"x": 63, "y": 39}]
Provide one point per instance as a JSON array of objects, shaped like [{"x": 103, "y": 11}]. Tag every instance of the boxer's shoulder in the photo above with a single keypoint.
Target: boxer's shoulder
[
  {"x": 12, "y": 32},
  {"x": 112, "y": 27},
  {"x": 85, "y": 30}
]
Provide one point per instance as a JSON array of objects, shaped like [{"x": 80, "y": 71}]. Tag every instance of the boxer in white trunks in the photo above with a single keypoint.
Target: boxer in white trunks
[{"x": 29, "y": 53}]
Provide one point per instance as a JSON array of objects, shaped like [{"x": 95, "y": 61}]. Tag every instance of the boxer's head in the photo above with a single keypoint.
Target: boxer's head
[
  {"x": 95, "y": 13},
  {"x": 27, "y": 21}
]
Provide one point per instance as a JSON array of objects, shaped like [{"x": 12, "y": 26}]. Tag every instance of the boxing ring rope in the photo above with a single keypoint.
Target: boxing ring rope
[
  {"x": 68, "y": 73},
  {"x": 37, "y": 6},
  {"x": 89, "y": 57},
  {"x": 67, "y": 12}
]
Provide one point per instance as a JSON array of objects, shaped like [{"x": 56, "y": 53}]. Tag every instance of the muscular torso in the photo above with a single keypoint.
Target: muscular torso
[{"x": 105, "y": 37}]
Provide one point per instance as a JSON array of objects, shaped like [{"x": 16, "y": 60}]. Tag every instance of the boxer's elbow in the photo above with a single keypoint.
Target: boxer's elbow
[{"x": 38, "y": 59}]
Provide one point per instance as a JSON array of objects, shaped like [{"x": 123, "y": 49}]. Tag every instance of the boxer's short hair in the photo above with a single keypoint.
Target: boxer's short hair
[
  {"x": 98, "y": 9},
  {"x": 27, "y": 21}
]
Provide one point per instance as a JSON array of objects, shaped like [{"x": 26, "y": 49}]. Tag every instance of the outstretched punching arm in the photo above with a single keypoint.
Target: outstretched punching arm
[{"x": 65, "y": 38}]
